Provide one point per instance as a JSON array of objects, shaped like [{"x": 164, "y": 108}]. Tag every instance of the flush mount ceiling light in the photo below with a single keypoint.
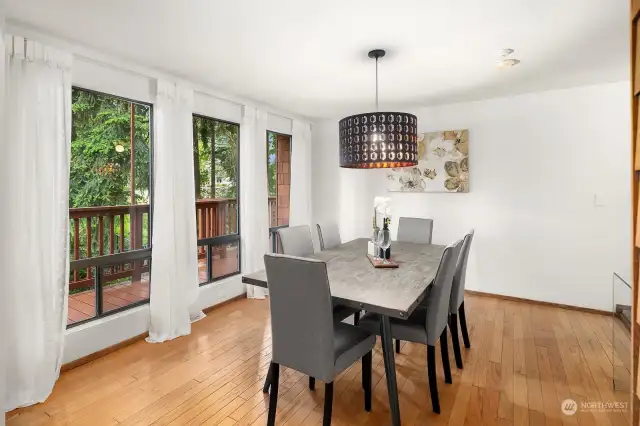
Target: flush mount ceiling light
[
  {"x": 506, "y": 61},
  {"x": 378, "y": 140}
]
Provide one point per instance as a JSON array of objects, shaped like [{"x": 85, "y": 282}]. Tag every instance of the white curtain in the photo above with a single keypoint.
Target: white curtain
[
  {"x": 34, "y": 182},
  {"x": 254, "y": 199},
  {"x": 300, "y": 213},
  {"x": 174, "y": 269},
  {"x": 3, "y": 295}
]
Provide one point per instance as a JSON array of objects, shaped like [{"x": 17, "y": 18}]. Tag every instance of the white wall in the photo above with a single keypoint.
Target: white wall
[{"x": 536, "y": 163}]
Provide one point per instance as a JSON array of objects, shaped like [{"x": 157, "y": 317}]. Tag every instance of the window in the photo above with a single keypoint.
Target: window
[
  {"x": 109, "y": 209},
  {"x": 215, "y": 160},
  {"x": 279, "y": 178}
]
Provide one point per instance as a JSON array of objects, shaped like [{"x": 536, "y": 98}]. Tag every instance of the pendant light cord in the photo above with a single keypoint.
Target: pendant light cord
[{"x": 377, "y": 109}]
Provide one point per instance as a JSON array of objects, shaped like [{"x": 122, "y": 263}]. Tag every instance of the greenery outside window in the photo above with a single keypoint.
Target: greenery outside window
[
  {"x": 216, "y": 168},
  {"x": 109, "y": 205}
]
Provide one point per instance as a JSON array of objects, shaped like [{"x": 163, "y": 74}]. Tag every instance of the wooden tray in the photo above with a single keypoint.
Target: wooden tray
[{"x": 378, "y": 263}]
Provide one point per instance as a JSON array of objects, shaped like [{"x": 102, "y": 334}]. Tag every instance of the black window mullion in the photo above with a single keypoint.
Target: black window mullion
[
  {"x": 98, "y": 282},
  {"x": 209, "y": 263}
]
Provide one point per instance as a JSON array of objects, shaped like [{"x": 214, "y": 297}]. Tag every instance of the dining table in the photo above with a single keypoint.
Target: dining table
[{"x": 389, "y": 292}]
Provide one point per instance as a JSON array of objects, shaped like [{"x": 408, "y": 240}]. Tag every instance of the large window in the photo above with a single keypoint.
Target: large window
[
  {"x": 215, "y": 160},
  {"x": 279, "y": 178},
  {"x": 109, "y": 205}
]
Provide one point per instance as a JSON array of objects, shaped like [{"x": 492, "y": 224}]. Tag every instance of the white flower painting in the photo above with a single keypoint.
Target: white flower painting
[{"x": 443, "y": 165}]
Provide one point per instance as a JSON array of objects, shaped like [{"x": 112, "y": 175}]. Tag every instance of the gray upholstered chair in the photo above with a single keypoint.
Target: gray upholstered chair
[
  {"x": 328, "y": 235},
  {"x": 456, "y": 305},
  {"x": 414, "y": 230},
  {"x": 428, "y": 325},
  {"x": 304, "y": 335},
  {"x": 296, "y": 241}
]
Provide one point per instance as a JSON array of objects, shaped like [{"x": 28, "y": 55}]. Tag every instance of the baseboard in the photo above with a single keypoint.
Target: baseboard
[
  {"x": 539, "y": 302},
  {"x": 106, "y": 351}
]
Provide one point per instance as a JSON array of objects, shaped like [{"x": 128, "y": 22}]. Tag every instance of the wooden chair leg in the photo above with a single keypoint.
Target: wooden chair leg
[
  {"x": 433, "y": 385},
  {"x": 268, "y": 379},
  {"x": 453, "y": 326},
  {"x": 356, "y": 318},
  {"x": 463, "y": 326},
  {"x": 444, "y": 351},
  {"x": 328, "y": 404},
  {"x": 367, "y": 366},
  {"x": 273, "y": 396},
  {"x": 398, "y": 346},
  {"x": 312, "y": 383}
]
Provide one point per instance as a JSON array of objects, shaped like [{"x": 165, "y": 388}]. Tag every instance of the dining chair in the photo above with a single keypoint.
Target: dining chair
[
  {"x": 415, "y": 230},
  {"x": 328, "y": 235},
  {"x": 296, "y": 241},
  {"x": 456, "y": 305},
  {"x": 428, "y": 325},
  {"x": 305, "y": 337}
]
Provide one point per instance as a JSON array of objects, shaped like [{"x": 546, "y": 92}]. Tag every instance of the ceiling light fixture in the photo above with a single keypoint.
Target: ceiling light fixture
[
  {"x": 506, "y": 61},
  {"x": 378, "y": 140}
]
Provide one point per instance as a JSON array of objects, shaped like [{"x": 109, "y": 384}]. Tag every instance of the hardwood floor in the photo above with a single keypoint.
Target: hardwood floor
[{"x": 525, "y": 359}]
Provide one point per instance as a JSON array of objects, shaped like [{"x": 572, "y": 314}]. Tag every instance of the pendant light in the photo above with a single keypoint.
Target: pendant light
[{"x": 378, "y": 140}]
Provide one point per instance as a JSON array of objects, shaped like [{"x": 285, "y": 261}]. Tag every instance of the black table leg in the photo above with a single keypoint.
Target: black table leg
[{"x": 390, "y": 369}]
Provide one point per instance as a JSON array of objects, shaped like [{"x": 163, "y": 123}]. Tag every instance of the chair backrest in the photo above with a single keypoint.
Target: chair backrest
[
  {"x": 296, "y": 240},
  {"x": 301, "y": 315},
  {"x": 415, "y": 230},
  {"x": 437, "y": 301},
  {"x": 457, "y": 289},
  {"x": 328, "y": 235}
]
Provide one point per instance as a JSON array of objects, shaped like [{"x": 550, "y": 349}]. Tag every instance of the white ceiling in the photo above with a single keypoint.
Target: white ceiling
[{"x": 310, "y": 57}]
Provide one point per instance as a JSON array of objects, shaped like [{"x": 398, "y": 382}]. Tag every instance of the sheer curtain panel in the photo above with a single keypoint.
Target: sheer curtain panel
[
  {"x": 34, "y": 183},
  {"x": 301, "y": 175},
  {"x": 3, "y": 248},
  {"x": 174, "y": 269},
  {"x": 254, "y": 199}
]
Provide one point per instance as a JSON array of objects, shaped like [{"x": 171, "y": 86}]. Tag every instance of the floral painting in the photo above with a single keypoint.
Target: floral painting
[{"x": 443, "y": 165}]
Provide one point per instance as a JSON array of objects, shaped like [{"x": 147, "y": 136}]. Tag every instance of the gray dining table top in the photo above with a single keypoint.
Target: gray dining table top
[{"x": 356, "y": 283}]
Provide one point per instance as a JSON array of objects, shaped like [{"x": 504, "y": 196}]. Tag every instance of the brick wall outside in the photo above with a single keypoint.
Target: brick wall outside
[{"x": 283, "y": 178}]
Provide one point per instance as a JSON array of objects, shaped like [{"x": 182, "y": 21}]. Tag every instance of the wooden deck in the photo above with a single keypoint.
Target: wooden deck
[
  {"x": 82, "y": 306},
  {"x": 524, "y": 361}
]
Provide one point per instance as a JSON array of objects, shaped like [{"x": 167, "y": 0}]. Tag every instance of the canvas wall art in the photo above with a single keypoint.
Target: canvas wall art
[{"x": 443, "y": 165}]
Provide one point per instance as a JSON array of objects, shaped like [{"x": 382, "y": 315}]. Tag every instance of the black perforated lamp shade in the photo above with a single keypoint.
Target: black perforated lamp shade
[{"x": 378, "y": 140}]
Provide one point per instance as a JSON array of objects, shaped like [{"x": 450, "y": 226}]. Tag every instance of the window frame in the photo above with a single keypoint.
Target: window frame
[
  {"x": 211, "y": 242},
  {"x": 273, "y": 230},
  {"x": 101, "y": 262}
]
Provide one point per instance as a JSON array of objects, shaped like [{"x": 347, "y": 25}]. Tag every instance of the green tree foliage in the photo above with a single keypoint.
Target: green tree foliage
[
  {"x": 100, "y": 175},
  {"x": 272, "y": 166},
  {"x": 216, "y": 173}
]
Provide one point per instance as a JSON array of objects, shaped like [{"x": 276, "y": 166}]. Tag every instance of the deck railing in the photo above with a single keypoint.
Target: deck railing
[{"x": 101, "y": 231}]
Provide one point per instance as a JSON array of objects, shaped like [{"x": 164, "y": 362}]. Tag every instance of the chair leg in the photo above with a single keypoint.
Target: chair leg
[
  {"x": 453, "y": 326},
  {"x": 398, "y": 346},
  {"x": 356, "y": 318},
  {"x": 268, "y": 379},
  {"x": 312, "y": 383},
  {"x": 328, "y": 404},
  {"x": 367, "y": 365},
  {"x": 273, "y": 397},
  {"x": 463, "y": 326},
  {"x": 444, "y": 351},
  {"x": 433, "y": 385}
]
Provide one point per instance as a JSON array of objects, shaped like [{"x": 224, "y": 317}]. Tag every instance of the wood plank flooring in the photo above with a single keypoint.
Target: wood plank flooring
[{"x": 524, "y": 361}]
